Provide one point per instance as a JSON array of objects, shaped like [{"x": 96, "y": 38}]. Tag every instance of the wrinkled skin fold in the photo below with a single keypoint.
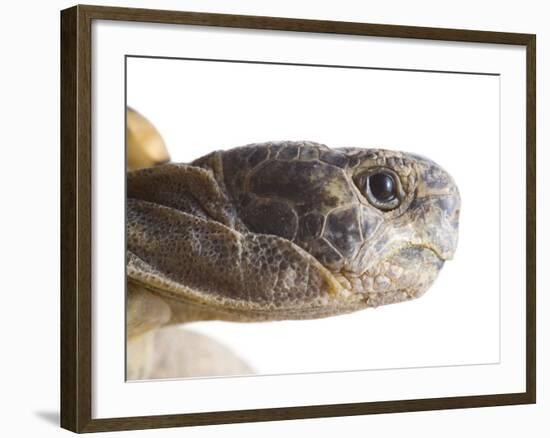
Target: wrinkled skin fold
[{"x": 283, "y": 230}]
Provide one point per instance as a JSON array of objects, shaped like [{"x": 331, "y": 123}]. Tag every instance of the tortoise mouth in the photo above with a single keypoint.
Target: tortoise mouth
[{"x": 406, "y": 273}]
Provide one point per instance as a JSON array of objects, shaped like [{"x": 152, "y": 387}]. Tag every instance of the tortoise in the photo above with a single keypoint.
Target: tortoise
[{"x": 281, "y": 230}]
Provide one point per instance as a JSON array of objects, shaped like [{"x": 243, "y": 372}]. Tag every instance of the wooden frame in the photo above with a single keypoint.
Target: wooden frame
[{"x": 76, "y": 335}]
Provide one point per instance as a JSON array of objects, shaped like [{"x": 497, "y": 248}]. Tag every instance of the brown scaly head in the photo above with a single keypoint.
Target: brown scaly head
[
  {"x": 382, "y": 222},
  {"x": 287, "y": 230}
]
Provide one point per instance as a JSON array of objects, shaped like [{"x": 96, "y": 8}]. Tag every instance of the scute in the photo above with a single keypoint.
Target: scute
[
  {"x": 270, "y": 216},
  {"x": 326, "y": 254},
  {"x": 289, "y": 153},
  {"x": 342, "y": 230},
  {"x": 370, "y": 221},
  {"x": 335, "y": 158},
  {"x": 309, "y": 153},
  {"x": 292, "y": 181},
  {"x": 311, "y": 226},
  {"x": 258, "y": 156},
  {"x": 308, "y": 183}
]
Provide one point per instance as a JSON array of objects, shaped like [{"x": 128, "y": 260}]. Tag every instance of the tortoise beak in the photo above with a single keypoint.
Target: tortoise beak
[{"x": 438, "y": 207}]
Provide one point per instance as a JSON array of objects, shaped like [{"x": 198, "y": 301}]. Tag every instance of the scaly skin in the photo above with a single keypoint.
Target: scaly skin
[{"x": 281, "y": 230}]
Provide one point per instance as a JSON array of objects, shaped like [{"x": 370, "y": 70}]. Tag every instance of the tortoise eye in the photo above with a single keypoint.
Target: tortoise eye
[{"x": 381, "y": 188}]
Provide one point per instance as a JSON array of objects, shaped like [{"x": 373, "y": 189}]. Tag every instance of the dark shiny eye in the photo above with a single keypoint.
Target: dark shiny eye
[{"x": 382, "y": 186}]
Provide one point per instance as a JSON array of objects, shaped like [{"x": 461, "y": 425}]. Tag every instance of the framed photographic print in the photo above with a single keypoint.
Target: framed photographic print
[{"x": 271, "y": 218}]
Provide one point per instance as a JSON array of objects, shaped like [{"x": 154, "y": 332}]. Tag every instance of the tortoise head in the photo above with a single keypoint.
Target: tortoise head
[{"x": 382, "y": 222}]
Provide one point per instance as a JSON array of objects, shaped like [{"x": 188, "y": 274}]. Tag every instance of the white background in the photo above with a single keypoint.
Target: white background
[
  {"x": 201, "y": 106},
  {"x": 113, "y": 398},
  {"x": 30, "y": 222}
]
